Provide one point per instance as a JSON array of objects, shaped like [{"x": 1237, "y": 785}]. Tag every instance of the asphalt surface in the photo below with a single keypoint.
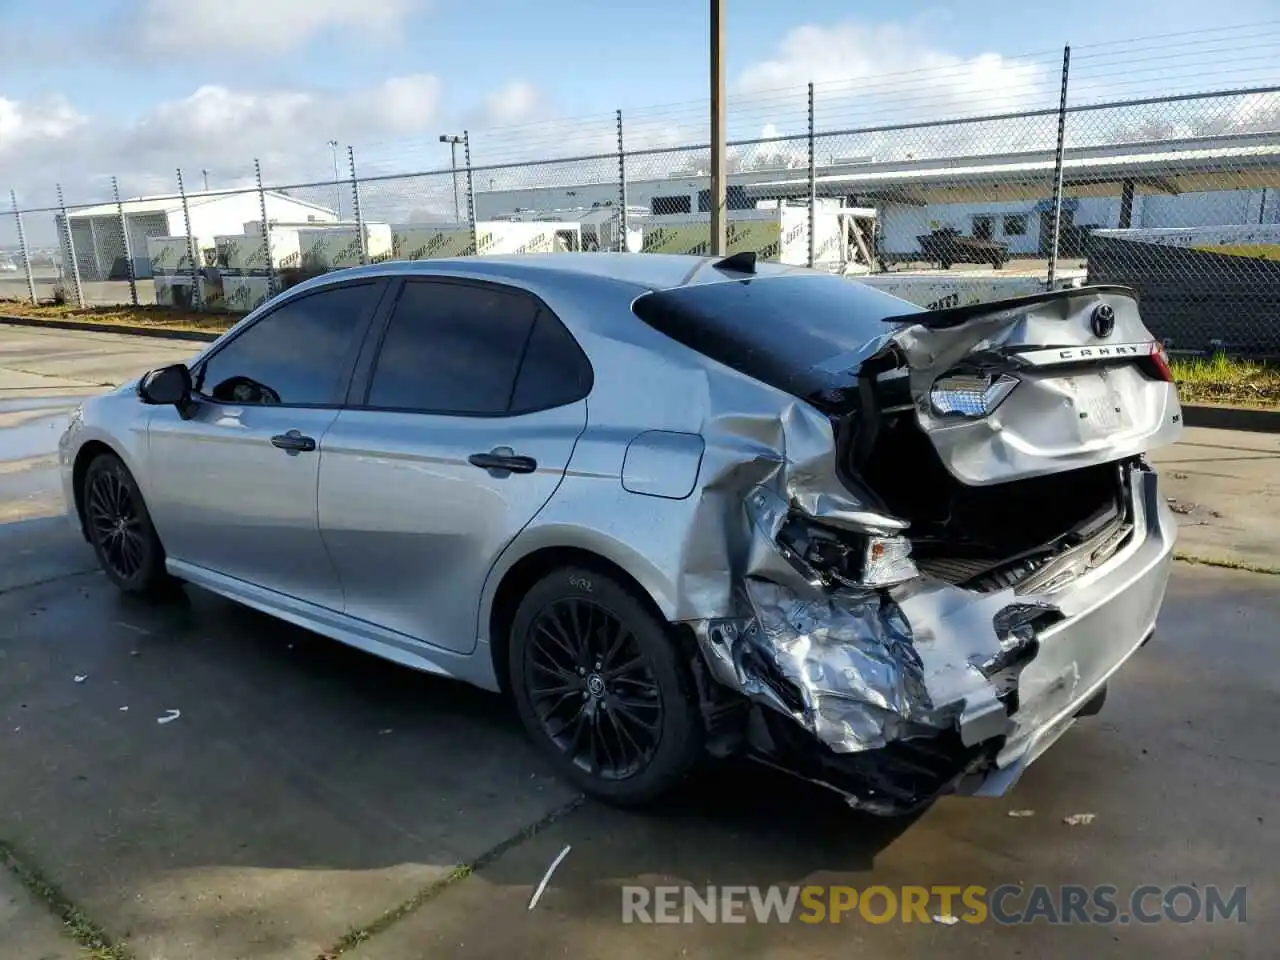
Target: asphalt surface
[{"x": 304, "y": 790}]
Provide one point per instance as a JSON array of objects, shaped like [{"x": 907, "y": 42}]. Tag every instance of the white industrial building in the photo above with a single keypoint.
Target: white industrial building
[
  {"x": 99, "y": 243},
  {"x": 1201, "y": 181}
]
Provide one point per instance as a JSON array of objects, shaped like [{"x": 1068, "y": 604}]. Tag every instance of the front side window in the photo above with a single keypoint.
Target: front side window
[{"x": 292, "y": 356}]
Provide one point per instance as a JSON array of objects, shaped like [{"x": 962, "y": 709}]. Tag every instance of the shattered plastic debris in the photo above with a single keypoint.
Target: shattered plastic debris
[
  {"x": 169, "y": 716},
  {"x": 1078, "y": 819},
  {"x": 1022, "y": 813},
  {"x": 945, "y": 919},
  {"x": 124, "y": 709},
  {"x": 80, "y": 677}
]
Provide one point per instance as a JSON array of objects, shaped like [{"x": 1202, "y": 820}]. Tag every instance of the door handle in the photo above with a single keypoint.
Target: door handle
[
  {"x": 503, "y": 460},
  {"x": 294, "y": 442}
]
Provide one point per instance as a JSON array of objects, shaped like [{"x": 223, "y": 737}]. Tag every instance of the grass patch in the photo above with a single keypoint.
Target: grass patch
[
  {"x": 83, "y": 930},
  {"x": 162, "y": 318},
  {"x": 1222, "y": 379}
]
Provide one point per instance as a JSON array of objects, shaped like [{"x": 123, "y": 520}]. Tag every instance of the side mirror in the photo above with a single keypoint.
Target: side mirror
[{"x": 167, "y": 386}]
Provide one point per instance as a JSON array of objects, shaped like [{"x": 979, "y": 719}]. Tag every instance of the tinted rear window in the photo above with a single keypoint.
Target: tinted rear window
[{"x": 775, "y": 329}]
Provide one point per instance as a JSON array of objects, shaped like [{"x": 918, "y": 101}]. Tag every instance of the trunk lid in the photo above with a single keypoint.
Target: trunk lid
[{"x": 1032, "y": 385}]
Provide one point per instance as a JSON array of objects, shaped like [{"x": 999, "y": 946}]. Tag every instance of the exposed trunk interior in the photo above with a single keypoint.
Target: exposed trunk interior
[{"x": 988, "y": 537}]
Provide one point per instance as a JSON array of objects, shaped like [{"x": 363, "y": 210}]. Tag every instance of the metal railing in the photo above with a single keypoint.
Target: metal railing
[{"x": 1177, "y": 196}]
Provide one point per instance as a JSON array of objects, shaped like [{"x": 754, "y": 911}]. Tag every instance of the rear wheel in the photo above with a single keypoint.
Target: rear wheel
[
  {"x": 119, "y": 527},
  {"x": 600, "y": 688}
]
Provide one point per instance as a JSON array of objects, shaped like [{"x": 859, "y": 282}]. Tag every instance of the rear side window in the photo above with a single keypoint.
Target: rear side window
[
  {"x": 774, "y": 329},
  {"x": 294, "y": 355},
  {"x": 554, "y": 372},
  {"x": 474, "y": 350}
]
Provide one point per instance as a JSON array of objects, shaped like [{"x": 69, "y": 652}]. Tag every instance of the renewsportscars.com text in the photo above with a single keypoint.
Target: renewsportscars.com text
[{"x": 974, "y": 904}]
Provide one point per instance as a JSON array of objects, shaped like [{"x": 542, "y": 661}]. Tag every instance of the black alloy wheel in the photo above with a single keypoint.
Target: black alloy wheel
[
  {"x": 603, "y": 686},
  {"x": 592, "y": 690},
  {"x": 118, "y": 525},
  {"x": 115, "y": 523}
]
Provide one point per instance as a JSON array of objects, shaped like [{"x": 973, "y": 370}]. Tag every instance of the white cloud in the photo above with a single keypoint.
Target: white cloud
[
  {"x": 215, "y": 128},
  {"x": 260, "y": 25},
  {"x": 517, "y": 102},
  {"x": 40, "y": 122},
  {"x": 894, "y": 64},
  {"x": 875, "y": 75}
]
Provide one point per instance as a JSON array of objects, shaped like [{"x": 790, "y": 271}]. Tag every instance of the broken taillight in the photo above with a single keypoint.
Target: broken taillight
[
  {"x": 970, "y": 396},
  {"x": 1156, "y": 364},
  {"x": 888, "y": 561}
]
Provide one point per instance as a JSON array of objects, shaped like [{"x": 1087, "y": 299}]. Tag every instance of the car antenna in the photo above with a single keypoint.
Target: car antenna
[{"x": 742, "y": 262}]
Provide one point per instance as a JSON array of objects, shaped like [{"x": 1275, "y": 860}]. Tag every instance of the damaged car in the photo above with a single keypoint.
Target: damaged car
[{"x": 673, "y": 507}]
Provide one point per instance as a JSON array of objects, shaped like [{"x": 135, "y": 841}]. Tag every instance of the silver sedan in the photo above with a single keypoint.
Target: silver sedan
[{"x": 674, "y": 507}]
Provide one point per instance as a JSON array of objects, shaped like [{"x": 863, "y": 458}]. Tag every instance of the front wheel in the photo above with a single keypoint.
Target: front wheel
[
  {"x": 119, "y": 527},
  {"x": 601, "y": 689}
]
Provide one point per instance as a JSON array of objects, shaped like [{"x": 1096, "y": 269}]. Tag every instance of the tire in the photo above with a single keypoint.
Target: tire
[
  {"x": 119, "y": 528},
  {"x": 642, "y": 717}
]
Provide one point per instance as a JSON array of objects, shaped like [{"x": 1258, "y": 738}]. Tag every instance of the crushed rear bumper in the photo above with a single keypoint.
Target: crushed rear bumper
[{"x": 896, "y": 698}]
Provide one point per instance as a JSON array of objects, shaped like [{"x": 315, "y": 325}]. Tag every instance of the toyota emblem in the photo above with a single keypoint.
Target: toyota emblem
[{"x": 1103, "y": 321}]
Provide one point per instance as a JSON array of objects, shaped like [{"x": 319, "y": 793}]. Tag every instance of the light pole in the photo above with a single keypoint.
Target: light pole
[
  {"x": 453, "y": 142},
  {"x": 718, "y": 239},
  {"x": 337, "y": 188},
  {"x": 206, "y": 180}
]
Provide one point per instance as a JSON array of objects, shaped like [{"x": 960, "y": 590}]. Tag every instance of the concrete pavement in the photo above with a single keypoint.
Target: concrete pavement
[
  {"x": 1225, "y": 487},
  {"x": 308, "y": 795},
  {"x": 27, "y": 928},
  {"x": 43, "y": 375},
  {"x": 1180, "y": 770}
]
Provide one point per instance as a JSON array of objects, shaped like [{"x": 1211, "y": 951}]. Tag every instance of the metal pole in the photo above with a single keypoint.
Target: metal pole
[
  {"x": 266, "y": 231},
  {"x": 206, "y": 179},
  {"x": 1056, "y": 226},
  {"x": 26, "y": 255},
  {"x": 70, "y": 250},
  {"x": 622, "y": 190},
  {"x": 337, "y": 190},
  {"x": 471, "y": 194},
  {"x": 717, "y": 204},
  {"x": 197, "y": 295},
  {"x": 453, "y": 165},
  {"x": 355, "y": 206},
  {"x": 128, "y": 246},
  {"x": 813, "y": 188}
]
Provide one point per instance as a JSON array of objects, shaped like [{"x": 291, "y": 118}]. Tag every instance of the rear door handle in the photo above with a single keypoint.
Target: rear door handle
[
  {"x": 503, "y": 460},
  {"x": 294, "y": 442}
]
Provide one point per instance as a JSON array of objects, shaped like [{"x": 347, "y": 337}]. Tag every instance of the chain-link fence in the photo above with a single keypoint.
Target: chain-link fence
[{"x": 1010, "y": 186}]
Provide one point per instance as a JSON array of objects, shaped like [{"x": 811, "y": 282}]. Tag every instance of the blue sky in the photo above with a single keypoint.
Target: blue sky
[
  {"x": 141, "y": 85},
  {"x": 589, "y": 56}
]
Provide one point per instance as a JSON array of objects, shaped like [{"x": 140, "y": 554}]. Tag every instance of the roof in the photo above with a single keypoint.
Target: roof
[
  {"x": 1224, "y": 162},
  {"x": 1170, "y": 167},
  {"x": 173, "y": 204},
  {"x": 641, "y": 271}
]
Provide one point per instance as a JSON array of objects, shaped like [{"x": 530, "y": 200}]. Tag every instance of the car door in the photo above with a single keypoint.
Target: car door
[
  {"x": 473, "y": 403},
  {"x": 233, "y": 488}
]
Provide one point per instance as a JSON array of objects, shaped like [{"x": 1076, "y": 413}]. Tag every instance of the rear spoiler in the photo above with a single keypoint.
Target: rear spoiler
[{"x": 955, "y": 316}]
